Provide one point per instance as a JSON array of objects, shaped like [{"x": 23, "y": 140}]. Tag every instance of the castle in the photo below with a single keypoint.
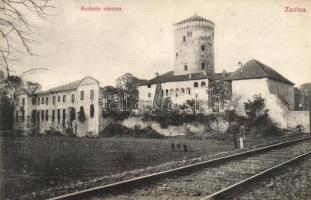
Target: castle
[{"x": 80, "y": 105}]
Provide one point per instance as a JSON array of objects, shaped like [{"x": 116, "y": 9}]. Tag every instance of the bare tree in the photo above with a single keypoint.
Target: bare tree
[{"x": 17, "y": 34}]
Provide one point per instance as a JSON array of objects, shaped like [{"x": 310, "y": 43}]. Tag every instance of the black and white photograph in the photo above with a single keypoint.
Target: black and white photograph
[{"x": 155, "y": 100}]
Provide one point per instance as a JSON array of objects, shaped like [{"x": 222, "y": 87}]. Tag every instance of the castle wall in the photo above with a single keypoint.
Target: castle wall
[
  {"x": 40, "y": 107},
  {"x": 244, "y": 90}
]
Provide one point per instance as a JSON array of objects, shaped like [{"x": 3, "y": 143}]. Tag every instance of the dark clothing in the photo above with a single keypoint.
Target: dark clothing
[{"x": 234, "y": 130}]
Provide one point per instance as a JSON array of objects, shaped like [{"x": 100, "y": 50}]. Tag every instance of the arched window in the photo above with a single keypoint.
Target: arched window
[
  {"x": 166, "y": 92},
  {"x": 203, "y": 84},
  {"x": 182, "y": 90},
  {"x": 203, "y": 65},
  {"x": 195, "y": 84},
  {"x": 188, "y": 91},
  {"x": 176, "y": 92}
]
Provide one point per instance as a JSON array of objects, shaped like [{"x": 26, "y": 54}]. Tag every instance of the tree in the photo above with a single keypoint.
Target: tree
[{"x": 16, "y": 33}]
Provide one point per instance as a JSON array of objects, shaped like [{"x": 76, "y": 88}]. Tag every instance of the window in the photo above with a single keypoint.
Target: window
[
  {"x": 166, "y": 92},
  {"x": 195, "y": 84},
  {"x": 92, "y": 94},
  {"x": 23, "y": 101},
  {"x": 176, "y": 55},
  {"x": 58, "y": 98},
  {"x": 202, "y": 48},
  {"x": 58, "y": 115},
  {"x": 42, "y": 99},
  {"x": 64, "y": 116},
  {"x": 33, "y": 101},
  {"x": 184, "y": 38},
  {"x": 72, "y": 98},
  {"x": 33, "y": 116},
  {"x": 47, "y": 115},
  {"x": 189, "y": 34},
  {"x": 38, "y": 116},
  {"x": 42, "y": 115},
  {"x": 64, "y": 98},
  {"x": 182, "y": 90},
  {"x": 81, "y": 95},
  {"x": 176, "y": 92},
  {"x": 149, "y": 86},
  {"x": 203, "y": 65},
  {"x": 16, "y": 116},
  {"x": 185, "y": 67},
  {"x": 188, "y": 91},
  {"x": 203, "y": 84},
  {"x": 171, "y": 92},
  {"x": 47, "y": 100},
  {"x": 149, "y": 95},
  {"x": 53, "y": 115},
  {"x": 92, "y": 110},
  {"x": 23, "y": 114},
  {"x": 54, "y": 100}
]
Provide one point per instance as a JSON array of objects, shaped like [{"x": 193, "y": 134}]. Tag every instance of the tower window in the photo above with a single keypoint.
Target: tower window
[
  {"x": 203, "y": 84},
  {"x": 184, "y": 38},
  {"x": 202, "y": 48},
  {"x": 189, "y": 34},
  {"x": 195, "y": 84},
  {"x": 203, "y": 66},
  {"x": 185, "y": 67},
  {"x": 166, "y": 92},
  {"x": 149, "y": 86}
]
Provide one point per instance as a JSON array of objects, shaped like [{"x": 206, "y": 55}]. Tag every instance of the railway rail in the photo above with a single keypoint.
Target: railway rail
[{"x": 213, "y": 179}]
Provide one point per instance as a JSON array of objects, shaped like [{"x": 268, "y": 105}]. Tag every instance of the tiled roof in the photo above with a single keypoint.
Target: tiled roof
[
  {"x": 254, "y": 69},
  {"x": 170, "y": 77},
  {"x": 194, "y": 18}
]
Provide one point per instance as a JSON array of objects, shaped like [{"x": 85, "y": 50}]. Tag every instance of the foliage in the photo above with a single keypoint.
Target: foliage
[
  {"x": 117, "y": 130},
  {"x": 116, "y": 115},
  {"x": 219, "y": 92},
  {"x": 258, "y": 120}
]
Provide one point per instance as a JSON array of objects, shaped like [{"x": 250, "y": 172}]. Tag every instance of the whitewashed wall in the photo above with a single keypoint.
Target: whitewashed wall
[{"x": 246, "y": 89}]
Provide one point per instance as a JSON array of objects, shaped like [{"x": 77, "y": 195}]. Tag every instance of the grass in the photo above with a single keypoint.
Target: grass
[
  {"x": 30, "y": 164},
  {"x": 33, "y": 163}
]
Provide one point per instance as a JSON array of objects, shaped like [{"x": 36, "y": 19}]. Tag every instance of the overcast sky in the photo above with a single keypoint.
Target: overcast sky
[{"x": 139, "y": 39}]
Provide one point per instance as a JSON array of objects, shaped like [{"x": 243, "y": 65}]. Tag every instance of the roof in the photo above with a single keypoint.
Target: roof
[
  {"x": 254, "y": 69},
  {"x": 170, "y": 77},
  {"x": 194, "y": 18},
  {"x": 69, "y": 86}
]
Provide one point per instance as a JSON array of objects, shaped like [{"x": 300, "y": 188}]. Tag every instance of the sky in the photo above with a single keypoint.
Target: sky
[{"x": 139, "y": 39}]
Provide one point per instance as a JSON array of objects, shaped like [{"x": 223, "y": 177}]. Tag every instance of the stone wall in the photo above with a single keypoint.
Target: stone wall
[{"x": 295, "y": 118}]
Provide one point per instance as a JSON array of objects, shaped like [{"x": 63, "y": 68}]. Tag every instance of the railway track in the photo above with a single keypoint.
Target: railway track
[{"x": 212, "y": 179}]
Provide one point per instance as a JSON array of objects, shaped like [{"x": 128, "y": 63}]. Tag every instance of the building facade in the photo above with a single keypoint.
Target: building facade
[{"x": 74, "y": 106}]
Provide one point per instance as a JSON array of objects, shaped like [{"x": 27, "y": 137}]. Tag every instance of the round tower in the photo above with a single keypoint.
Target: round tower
[{"x": 194, "y": 46}]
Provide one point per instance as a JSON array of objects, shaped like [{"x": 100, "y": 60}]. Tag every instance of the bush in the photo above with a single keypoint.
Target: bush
[{"x": 117, "y": 130}]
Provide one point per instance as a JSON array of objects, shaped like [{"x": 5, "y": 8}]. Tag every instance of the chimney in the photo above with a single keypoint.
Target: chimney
[
  {"x": 241, "y": 65},
  {"x": 157, "y": 74},
  {"x": 224, "y": 73}
]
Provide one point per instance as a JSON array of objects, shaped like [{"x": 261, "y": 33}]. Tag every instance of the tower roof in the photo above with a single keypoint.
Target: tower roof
[
  {"x": 194, "y": 18},
  {"x": 254, "y": 69}
]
